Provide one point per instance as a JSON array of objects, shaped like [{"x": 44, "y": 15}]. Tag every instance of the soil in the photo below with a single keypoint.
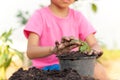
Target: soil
[
  {"x": 38, "y": 74},
  {"x": 65, "y": 74},
  {"x": 73, "y": 55}
]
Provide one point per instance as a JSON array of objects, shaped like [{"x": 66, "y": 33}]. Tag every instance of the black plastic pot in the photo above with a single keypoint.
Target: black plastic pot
[{"x": 83, "y": 65}]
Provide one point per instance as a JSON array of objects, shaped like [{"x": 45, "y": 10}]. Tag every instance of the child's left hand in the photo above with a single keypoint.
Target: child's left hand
[{"x": 96, "y": 50}]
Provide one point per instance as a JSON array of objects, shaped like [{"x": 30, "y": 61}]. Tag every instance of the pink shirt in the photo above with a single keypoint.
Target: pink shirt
[{"x": 51, "y": 28}]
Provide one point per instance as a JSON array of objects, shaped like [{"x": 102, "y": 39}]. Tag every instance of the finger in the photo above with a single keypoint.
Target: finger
[
  {"x": 61, "y": 46},
  {"x": 65, "y": 51},
  {"x": 66, "y": 44},
  {"x": 57, "y": 43},
  {"x": 58, "y": 53},
  {"x": 100, "y": 54},
  {"x": 72, "y": 38},
  {"x": 97, "y": 53},
  {"x": 71, "y": 47},
  {"x": 65, "y": 39},
  {"x": 91, "y": 52},
  {"x": 62, "y": 51},
  {"x": 86, "y": 52},
  {"x": 76, "y": 42}
]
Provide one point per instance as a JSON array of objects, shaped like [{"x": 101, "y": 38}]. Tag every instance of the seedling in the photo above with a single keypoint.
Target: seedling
[{"x": 85, "y": 47}]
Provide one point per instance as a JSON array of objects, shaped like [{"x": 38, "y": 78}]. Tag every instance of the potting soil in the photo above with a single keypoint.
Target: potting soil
[{"x": 73, "y": 55}]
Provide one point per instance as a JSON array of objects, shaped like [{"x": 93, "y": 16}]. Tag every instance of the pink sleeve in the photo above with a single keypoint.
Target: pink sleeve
[
  {"x": 85, "y": 28},
  {"x": 34, "y": 24}
]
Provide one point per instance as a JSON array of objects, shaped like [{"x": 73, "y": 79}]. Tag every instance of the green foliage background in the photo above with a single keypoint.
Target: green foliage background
[{"x": 7, "y": 53}]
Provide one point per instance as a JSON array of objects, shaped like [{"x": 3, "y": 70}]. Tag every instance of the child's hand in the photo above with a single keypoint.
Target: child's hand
[
  {"x": 66, "y": 45},
  {"x": 96, "y": 50}
]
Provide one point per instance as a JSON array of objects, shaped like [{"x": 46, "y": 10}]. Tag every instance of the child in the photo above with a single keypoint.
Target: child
[{"x": 50, "y": 24}]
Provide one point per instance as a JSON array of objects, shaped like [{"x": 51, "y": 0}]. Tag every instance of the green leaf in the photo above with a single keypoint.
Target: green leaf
[
  {"x": 19, "y": 14},
  {"x": 24, "y": 20},
  {"x": 23, "y": 17},
  {"x": 84, "y": 47},
  {"x": 8, "y": 62},
  {"x": 3, "y": 58},
  {"x": 5, "y": 36},
  {"x": 94, "y": 7}
]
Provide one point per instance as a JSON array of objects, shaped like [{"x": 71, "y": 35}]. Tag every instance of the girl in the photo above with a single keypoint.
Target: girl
[{"x": 50, "y": 24}]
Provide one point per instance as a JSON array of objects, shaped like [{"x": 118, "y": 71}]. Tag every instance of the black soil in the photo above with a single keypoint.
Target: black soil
[
  {"x": 37, "y": 74},
  {"x": 66, "y": 74},
  {"x": 73, "y": 55}
]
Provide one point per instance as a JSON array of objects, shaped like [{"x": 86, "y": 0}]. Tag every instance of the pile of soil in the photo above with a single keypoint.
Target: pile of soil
[{"x": 38, "y": 74}]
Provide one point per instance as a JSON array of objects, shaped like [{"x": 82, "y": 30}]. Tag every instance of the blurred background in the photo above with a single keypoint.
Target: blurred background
[{"x": 103, "y": 15}]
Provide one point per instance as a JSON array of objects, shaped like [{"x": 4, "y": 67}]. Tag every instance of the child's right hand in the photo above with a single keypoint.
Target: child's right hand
[{"x": 66, "y": 45}]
